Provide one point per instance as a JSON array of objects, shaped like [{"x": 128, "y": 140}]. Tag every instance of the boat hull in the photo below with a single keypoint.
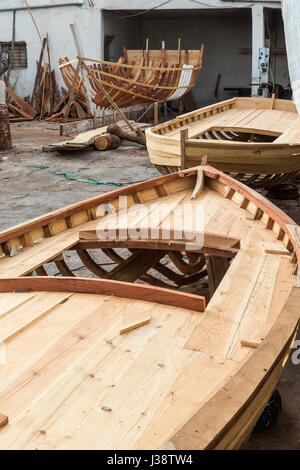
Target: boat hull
[
  {"x": 196, "y": 370},
  {"x": 216, "y": 133}
]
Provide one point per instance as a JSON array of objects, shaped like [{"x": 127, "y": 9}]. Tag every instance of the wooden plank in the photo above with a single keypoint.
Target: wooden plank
[
  {"x": 257, "y": 311},
  {"x": 215, "y": 334},
  {"x": 22, "y": 316},
  {"x": 3, "y": 420},
  {"x": 137, "y": 315},
  {"x": 105, "y": 287}
]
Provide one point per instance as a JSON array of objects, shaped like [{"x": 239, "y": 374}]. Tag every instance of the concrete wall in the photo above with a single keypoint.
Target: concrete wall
[
  {"x": 223, "y": 36},
  {"x": 291, "y": 16},
  {"x": 55, "y": 22},
  {"x": 126, "y": 32}
]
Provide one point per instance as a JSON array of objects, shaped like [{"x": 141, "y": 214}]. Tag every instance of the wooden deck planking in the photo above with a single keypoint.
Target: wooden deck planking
[
  {"x": 69, "y": 393},
  {"x": 220, "y": 321},
  {"x": 203, "y": 373}
]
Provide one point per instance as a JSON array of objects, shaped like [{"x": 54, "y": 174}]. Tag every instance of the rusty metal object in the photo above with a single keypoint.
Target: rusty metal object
[{"x": 5, "y": 135}]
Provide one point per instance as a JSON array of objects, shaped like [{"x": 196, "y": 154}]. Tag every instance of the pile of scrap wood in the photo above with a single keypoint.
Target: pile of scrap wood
[
  {"x": 104, "y": 138},
  {"x": 45, "y": 102}
]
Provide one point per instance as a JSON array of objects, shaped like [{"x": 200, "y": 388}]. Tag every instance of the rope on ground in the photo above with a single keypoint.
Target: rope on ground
[{"x": 68, "y": 175}]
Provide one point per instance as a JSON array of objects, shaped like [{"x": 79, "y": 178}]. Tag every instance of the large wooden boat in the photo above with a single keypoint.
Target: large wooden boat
[
  {"x": 255, "y": 140},
  {"x": 108, "y": 363},
  {"x": 139, "y": 77}
]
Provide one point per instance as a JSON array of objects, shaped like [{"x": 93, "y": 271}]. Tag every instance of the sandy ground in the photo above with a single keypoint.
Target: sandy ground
[{"x": 28, "y": 189}]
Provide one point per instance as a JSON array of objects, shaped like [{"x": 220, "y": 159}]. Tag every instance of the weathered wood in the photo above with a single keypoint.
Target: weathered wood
[
  {"x": 138, "y": 137},
  {"x": 107, "y": 142}
]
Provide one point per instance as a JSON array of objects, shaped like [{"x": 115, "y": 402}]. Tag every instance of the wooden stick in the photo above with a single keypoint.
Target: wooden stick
[
  {"x": 183, "y": 139},
  {"x": 91, "y": 107},
  {"x": 147, "y": 52},
  {"x": 156, "y": 114},
  {"x": 114, "y": 105},
  {"x": 145, "y": 112},
  {"x": 38, "y": 69},
  {"x": 179, "y": 51}
]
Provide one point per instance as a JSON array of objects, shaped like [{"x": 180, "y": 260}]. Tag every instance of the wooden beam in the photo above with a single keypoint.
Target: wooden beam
[
  {"x": 136, "y": 265},
  {"x": 106, "y": 287},
  {"x": 183, "y": 139}
]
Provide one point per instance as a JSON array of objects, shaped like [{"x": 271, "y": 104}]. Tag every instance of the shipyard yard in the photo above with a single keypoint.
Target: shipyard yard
[{"x": 149, "y": 226}]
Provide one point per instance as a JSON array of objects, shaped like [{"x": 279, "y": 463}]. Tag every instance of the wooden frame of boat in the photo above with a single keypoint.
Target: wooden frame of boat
[
  {"x": 180, "y": 374},
  {"x": 254, "y": 140},
  {"x": 137, "y": 78}
]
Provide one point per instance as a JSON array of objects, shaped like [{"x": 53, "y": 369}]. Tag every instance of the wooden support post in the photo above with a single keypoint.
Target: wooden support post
[
  {"x": 147, "y": 52},
  {"x": 156, "y": 114},
  {"x": 179, "y": 51},
  {"x": 183, "y": 140},
  {"x": 91, "y": 107},
  {"x": 216, "y": 270}
]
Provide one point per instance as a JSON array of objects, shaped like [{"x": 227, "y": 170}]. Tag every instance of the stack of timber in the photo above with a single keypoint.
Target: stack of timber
[
  {"x": 255, "y": 140},
  {"x": 110, "y": 363},
  {"x": 45, "y": 102},
  {"x": 140, "y": 76}
]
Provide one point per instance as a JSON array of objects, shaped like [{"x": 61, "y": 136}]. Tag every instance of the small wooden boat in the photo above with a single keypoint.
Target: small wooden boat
[
  {"x": 137, "y": 78},
  {"x": 108, "y": 363},
  {"x": 254, "y": 140}
]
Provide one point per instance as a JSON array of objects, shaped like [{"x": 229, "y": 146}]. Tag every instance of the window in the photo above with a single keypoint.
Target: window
[{"x": 19, "y": 60}]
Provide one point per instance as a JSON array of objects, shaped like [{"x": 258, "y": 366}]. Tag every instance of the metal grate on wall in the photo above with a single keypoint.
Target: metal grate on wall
[{"x": 19, "y": 59}]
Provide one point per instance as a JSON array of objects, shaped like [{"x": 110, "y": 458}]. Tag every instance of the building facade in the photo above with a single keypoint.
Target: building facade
[{"x": 235, "y": 35}]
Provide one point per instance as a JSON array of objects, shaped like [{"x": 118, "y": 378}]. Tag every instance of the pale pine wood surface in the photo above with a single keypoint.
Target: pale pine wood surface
[{"x": 70, "y": 379}]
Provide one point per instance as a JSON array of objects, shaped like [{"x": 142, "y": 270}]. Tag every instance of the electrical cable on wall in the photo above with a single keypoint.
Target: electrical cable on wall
[{"x": 169, "y": 1}]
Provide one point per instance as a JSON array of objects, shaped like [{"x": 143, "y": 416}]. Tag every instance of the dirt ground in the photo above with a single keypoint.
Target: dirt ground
[{"x": 33, "y": 182}]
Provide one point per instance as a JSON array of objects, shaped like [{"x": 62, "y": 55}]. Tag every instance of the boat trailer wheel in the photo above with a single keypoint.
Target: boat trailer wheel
[{"x": 271, "y": 413}]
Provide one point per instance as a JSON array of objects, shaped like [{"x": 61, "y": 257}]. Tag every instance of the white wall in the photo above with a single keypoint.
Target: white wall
[
  {"x": 55, "y": 22},
  {"x": 291, "y": 16},
  {"x": 222, "y": 37}
]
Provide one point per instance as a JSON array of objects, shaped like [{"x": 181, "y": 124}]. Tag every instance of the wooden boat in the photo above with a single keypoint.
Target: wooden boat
[
  {"x": 137, "y": 78},
  {"x": 255, "y": 140},
  {"x": 107, "y": 363},
  {"x": 291, "y": 19}
]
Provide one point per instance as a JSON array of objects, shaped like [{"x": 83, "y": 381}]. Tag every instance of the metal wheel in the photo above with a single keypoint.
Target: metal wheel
[{"x": 271, "y": 413}]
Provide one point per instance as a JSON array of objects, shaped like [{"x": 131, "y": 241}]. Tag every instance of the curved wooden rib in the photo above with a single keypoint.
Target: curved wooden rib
[
  {"x": 64, "y": 268},
  {"x": 90, "y": 263},
  {"x": 187, "y": 268},
  {"x": 41, "y": 271}
]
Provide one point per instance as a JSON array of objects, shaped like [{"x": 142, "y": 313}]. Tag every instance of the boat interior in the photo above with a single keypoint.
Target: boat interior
[
  {"x": 125, "y": 357},
  {"x": 264, "y": 119}
]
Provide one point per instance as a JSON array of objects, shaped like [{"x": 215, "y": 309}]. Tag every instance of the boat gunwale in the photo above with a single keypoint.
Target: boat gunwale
[
  {"x": 262, "y": 203},
  {"x": 221, "y": 104},
  {"x": 268, "y": 354}
]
